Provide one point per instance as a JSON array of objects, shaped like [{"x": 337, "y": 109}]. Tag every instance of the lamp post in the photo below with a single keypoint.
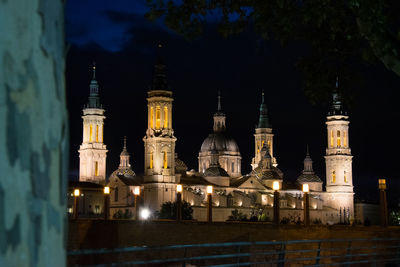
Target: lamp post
[
  {"x": 178, "y": 202},
  {"x": 136, "y": 193},
  {"x": 306, "y": 204},
  {"x": 76, "y": 199},
  {"x": 209, "y": 203},
  {"x": 383, "y": 202},
  {"x": 106, "y": 202},
  {"x": 275, "y": 186}
]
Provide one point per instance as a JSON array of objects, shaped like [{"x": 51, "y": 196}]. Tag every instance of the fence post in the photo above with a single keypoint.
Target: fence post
[
  {"x": 281, "y": 258},
  {"x": 317, "y": 258}
]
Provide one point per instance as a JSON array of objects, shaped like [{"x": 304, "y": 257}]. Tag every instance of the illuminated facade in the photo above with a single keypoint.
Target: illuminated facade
[
  {"x": 219, "y": 165},
  {"x": 339, "y": 176},
  {"x": 159, "y": 142},
  {"x": 93, "y": 152}
]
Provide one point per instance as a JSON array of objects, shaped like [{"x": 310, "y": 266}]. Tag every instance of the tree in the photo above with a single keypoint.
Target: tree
[
  {"x": 33, "y": 134},
  {"x": 168, "y": 211},
  {"x": 340, "y": 35}
]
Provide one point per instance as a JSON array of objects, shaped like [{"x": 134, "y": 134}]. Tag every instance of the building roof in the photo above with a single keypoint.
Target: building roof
[
  {"x": 84, "y": 185},
  {"x": 194, "y": 180},
  {"x": 310, "y": 178},
  {"x": 223, "y": 142},
  {"x": 215, "y": 171}
]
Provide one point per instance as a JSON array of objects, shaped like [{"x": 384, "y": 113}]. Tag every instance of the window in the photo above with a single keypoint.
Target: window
[
  {"x": 233, "y": 167},
  {"x": 262, "y": 143},
  {"x": 90, "y": 133},
  {"x": 333, "y": 177},
  {"x": 97, "y": 133},
  {"x": 269, "y": 143},
  {"x": 165, "y": 117},
  {"x": 345, "y": 177},
  {"x": 165, "y": 160},
  {"x": 338, "y": 138},
  {"x": 158, "y": 117},
  {"x": 151, "y": 160},
  {"x": 151, "y": 117},
  {"x": 116, "y": 194},
  {"x": 258, "y": 147},
  {"x": 344, "y": 139},
  {"x": 331, "y": 138},
  {"x": 96, "y": 168}
]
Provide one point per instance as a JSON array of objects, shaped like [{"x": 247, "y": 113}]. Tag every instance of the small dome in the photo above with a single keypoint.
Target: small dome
[
  {"x": 308, "y": 178},
  {"x": 215, "y": 171},
  {"x": 180, "y": 166},
  {"x": 126, "y": 172},
  {"x": 223, "y": 142},
  {"x": 271, "y": 174}
]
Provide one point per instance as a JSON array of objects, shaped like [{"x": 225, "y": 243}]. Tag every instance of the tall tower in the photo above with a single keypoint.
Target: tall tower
[
  {"x": 263, "y": 135},
  {"x": 93, "y": 152},
  {"x": 159, "y": 141},
  {"x": 338, "y": 159}
]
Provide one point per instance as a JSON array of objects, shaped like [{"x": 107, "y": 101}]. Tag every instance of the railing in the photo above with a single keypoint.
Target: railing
[{"x": 325, "y": 252}]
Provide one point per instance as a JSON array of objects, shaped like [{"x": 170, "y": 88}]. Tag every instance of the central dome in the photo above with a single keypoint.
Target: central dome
[{"x": 223, "y": 143}]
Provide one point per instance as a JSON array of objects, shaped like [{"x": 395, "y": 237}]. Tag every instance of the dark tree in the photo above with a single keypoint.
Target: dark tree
[
  {"x": 168, "y": 211},
  {"x": 339, "y": 35}
]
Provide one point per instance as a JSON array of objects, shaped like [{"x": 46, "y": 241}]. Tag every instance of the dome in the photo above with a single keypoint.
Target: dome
[
  {"x": 215, "y": 171},
  {"x": 308, "y": 178},
  {"x": 269, "y": 174},
  {"x": 126, "y": 172},
  {"x": 223, "y": 142}
]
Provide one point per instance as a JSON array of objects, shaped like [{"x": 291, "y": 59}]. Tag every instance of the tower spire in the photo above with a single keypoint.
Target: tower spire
[
  {"x": 219, "y": 116},
  {"x": 94, "y": 98},
  {"x": 263, "y": 121},
  {"x": 160, "y": 73},
  {"x": 337, "y": 105}
]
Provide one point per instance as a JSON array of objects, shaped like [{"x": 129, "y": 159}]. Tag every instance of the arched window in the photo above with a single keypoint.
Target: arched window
[
  {"x": 233, "y": 167},
  {"x": 258, "y": 146},
  {"x": 333, "y": 177},
  {"x": 158, "y": 117},
  {"x": 151, "y": 160},
  {"x": 151, "y": 117},
  {"x": 331, "y": 138},
  {"x": 97, "y": 133},
  {"x": 116, "y": 194},
  {"x": 90, "y": 133},
  {"x": 165, "y": 160},
  {"x": 96, "y": 168},
  {"x": 338, "y": 138},
  {"x": 165, "y": 117},
  {"x": 345, "y": 177},
  {"x": 344, "y": 139}
]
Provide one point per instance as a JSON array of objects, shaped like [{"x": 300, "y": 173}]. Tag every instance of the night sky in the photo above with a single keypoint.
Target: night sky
[{"x": 123, "y": 45}]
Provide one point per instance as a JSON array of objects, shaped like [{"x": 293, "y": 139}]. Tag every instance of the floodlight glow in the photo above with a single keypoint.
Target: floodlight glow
[
  {"x": 275, "y": 185},
  {"x": 76, "y": 192},
  {"x": 136, "y": 191},
  {"x": 106, "y": 190},
  {"x": 382, "y": 183},
  {"x": 306, "y": 188},
  {"x": 179, "y": 188},
  {"x": 209, "y": 189},
  {"x": 144, "y": 214}
]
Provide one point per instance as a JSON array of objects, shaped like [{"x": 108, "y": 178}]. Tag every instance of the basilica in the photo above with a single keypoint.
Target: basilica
[{"x": 219, "y": 165}]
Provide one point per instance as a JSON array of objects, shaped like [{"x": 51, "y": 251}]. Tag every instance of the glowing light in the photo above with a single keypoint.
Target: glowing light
[
  {"x": 209, "y": 189},
  {"x": 76, "y": 192},
  {"x": 136, "y": 191},
  {"x": 382, "y": 183},
  {"x": 306, "y": 188},
  {"x": 179, "y": 188},
  {"x": 106, "y": 190},
  {"x": 145, "y": 214},
  {"x": 275, "y": 185}
]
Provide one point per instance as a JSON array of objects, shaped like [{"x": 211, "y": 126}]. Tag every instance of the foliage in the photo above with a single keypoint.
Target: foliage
[
  {"x": 340, "y": 35},
  {"x": 317, "y": 221},
  {"x": 123, "y": 215},
  {"x": 394, "y": 217},
  {"x": 168, "y": 211},
  {"x": 237, "y": 216}
]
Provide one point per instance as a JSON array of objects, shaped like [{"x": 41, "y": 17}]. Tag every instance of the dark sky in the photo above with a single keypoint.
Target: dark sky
[{"x": 123, "y": 44}]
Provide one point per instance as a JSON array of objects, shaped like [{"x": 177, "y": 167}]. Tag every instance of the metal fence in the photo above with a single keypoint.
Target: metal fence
[{"x": 325, "y": 252}]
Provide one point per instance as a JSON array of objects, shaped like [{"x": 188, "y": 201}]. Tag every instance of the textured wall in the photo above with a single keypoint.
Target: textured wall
[{"x": 33, "y": 133}]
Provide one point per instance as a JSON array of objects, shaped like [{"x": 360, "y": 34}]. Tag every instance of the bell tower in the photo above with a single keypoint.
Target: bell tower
[
  {"x": 263, "y": 136},
  {"x": 338, "y": 158},
  {"x": 93, "y": 152},
  {"x": 159, "y": 141}
]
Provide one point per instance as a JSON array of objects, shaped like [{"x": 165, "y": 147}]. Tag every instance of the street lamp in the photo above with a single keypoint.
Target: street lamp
[
  {"x": 306, "y": 204},
  {"x": 136, "y": 193},
  {"x": 383, "y": 202},
  {"x": 178, "y": 202},
  {"x": 209, "y": 203},
  {"x": 275, "y": 186},
  {"x": 106, "y": 202},
  {"x": 76, "y": 199}
]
